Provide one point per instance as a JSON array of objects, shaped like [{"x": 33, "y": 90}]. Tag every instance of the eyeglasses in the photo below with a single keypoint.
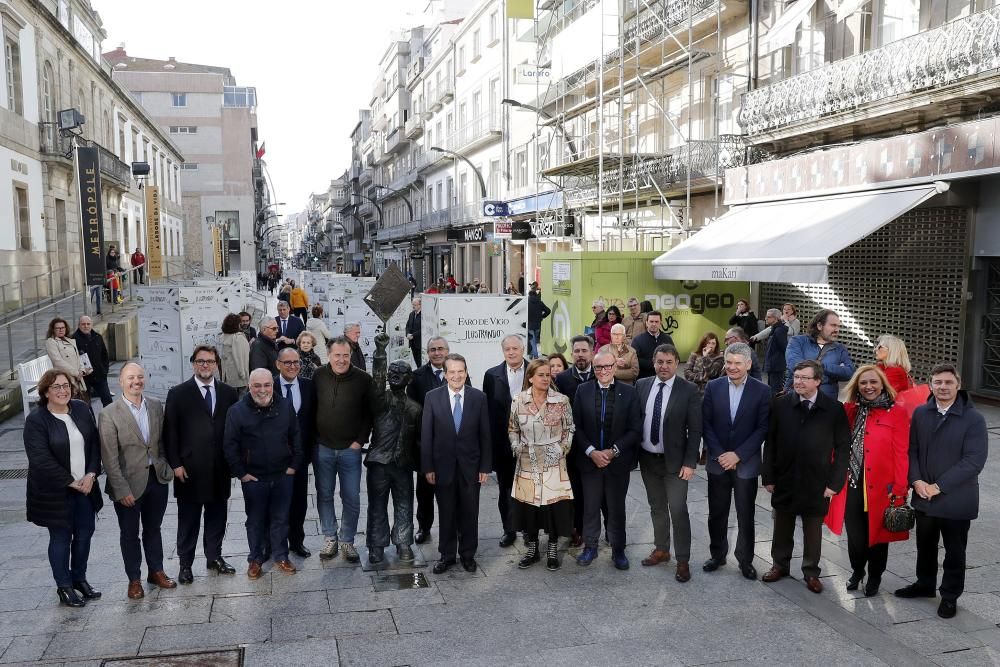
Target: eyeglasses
[
  {"x": 60, "y": 387},
  {"x": 290, "y": 363},
  {"x": 204, "y": 362},
  {"x": 603, "y": 367},
  {"x": 804, "y": 378}
]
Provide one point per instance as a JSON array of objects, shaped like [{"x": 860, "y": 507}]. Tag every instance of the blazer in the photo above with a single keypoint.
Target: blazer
[
  {"x": 777, "y": 343},
  {"x": 498, "y": 400},
  {"x": 570, "y": 379},
  {"x": 193, "y": 438},
  {"x": 234, "y": 350},
  {"x": 125, "y": 454},
  {"x": 626, "y": 427},
  {"x": 46, "y": 442},
  {"x": 680, "y": 430},
  {"x": 745, "y": 434},
  {"x": 294, "y": 328},
  {"x": 446, "y": 453},
  {"x": 306, "y": 414},
  {"x": 424, "y": 381}
]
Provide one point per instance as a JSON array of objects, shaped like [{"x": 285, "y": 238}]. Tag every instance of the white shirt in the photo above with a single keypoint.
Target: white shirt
[
  {"x": 438, "y": 373},
  {"x": 515, "y": 378},
  {"x": 296, "y": 395},
  {"x": 77, "y": 447},
  {"x": 201, "y": 388},
  {"x": 647, "y": 423},
  {"x": 461, "y": 398},
  {"x": 142, "y": 420}
]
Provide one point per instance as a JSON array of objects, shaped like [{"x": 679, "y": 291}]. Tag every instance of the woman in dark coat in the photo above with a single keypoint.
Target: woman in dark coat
[
  {"x": 745, "y": 318},
  {"x": 64, "y": 459}
]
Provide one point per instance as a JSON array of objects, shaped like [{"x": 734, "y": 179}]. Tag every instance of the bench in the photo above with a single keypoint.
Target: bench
[{"x": 28, "y": 374}]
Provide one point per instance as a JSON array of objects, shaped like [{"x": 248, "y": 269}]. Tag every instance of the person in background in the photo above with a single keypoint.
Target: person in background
[
  {"x": 647, "y": 342},
  {"x": 557, "y": 364},
  {"x": 64, "y": 459},
  {"x": 289, "y": 326},
  {"x": 744, "y": 318},
  {"x": 264, "y": 349},
  {"x": 634, "y": 322},
  {"x": 599, "y": 308},
  {"x": 90, "y": 343},
  {"x": 537, "y": 311},
  {"x": 789, "y": 316},
  {"x": 774, "y": 354},
  {"x": 602, "y": 334},
  {"x": 138, "y": 261},
  {"x": 246, "y": 327},
  {"x": 112, "y": 261},
  {"x": 705, "y": 363},
  {"x": 414, "y": 324},
  {"x": 299, "y": 302},
  {"x": 876, "y": 475},
  {"x": 64, "y": 354},
  {"x": 737, "y": 335},
  {"x": 285, "y": 293},
  {"x": 309, "y": 361},
  {"x": 626, "y": 361},
  {"x": 891, "y": 357},
  {"x": 317, "y": 327},
  {"x": 234, "y": 353},
  {"x": 820, "y": 342},
  {"x": 352, "y": 332}
]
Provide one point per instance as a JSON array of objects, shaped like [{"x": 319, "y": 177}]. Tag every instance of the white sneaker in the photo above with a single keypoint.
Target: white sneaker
[{"x": 329, "y": 549}]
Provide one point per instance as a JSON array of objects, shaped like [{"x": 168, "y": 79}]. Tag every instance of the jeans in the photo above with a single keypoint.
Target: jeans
[
  {"x": 147, "y": 510},
  {"x": 328, "y": 464},
  {"x": 384, "y": 479},
  {"x": 534, "y": 339},
  {"x": 96, "y": 296},
  {"x": 98, "y": 388},
  {"x": 69, "y": 548},
  {"x": 267, "y": 502}
]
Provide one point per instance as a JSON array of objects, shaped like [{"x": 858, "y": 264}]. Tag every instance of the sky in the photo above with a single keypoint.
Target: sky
[{"x": 313, "y": 63}]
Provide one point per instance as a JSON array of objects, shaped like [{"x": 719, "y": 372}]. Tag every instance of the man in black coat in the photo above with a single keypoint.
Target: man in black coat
[
  {"x": 805, "y": 462},
  {"x": 289, "y": 326},
  {"x": 567, "y": 382},
  {"x": 90, "y": 342},
  {"x": 302, "y": 393},
  {"x": 500, "y": 384},
  {"x": 647, "y": 342},
  {"x": 414, "y": 322},
  {"x": 608, "y": 431},
  {"x": 948, "y": 449},
  {"x": 537, "y": 311},
  {"x": 455, "y": 456},
  {"x": 245, "y": 326},
  {"x": 194, "y": 423},
  {"x": 264, "y": 348}
]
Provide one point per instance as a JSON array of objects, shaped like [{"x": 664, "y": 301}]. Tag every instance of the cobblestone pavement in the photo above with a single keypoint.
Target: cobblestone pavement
[{"x": 329, "y": 613}]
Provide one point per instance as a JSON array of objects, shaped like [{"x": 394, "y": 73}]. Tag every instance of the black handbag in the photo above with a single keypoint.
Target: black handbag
[{"x": 898, "y": 518}]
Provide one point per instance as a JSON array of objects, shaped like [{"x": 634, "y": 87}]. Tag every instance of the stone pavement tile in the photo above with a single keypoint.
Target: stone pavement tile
[
  {"x": 43, "y": 621},
  {"x": 4, "y": 643},
  {"x": 26, "y": 649},
  {"x": 984, "y": 579},
  {"x": 239, "y": 608},
  {"x": 363, "y": 599},
  {"x": 650, "y": 650},
  {"x": 932, "y": 636},
  {"x": 19, "y": 599},
  {"x": 220, "y": 585},
  {"x": 885, "y": 609},
  {"x": 990, "y": 637},
  {"x": 320, "y": 580},
  {"x": 472, "y": 615},
  {"x": 973, "y": 657},
  {"x": 820, "y": 651},
  {"x": 333, "y": 626},
  {"x": 147, "y": 613},
  {"x": 109, "y": 642},
  {"x": 313, "y": 652},
  {"x": 176, "y": 638}
]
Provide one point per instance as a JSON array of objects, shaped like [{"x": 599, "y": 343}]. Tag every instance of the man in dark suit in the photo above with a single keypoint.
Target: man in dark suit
[
  {"x": 413, "y": 330},
  {"x": 804, "y": 465},
  {"x": 289, "y": 326},
  {"x": 650, "y": 339},
  {"x": 581, "y": 371},
  {"x": 427, "y": 377},
  {"x": 194, "y": 424},
  {"x": 455, "y": 453},
  {"x": 303, "y": 396},
  {"x": 264, "y": 348},
  {"x": 734, "y": 414},
  {"x": 499, "y": 384},
  {"x": 608, "y": 430},
  {"x": 671, "y": 434}
]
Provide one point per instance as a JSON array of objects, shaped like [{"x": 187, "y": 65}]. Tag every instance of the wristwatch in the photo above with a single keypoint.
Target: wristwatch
[{"x": 617, "y": 451}]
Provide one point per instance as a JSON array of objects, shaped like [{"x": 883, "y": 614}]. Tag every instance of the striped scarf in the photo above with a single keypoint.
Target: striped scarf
[{"x": 858, "y": 436}]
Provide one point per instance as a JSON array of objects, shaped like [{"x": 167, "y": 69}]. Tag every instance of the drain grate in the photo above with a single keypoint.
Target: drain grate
[
  {"x": 399, "y": 582},
  {"x": 19, "y": 473},
  {"x": 226, "y": 658}
]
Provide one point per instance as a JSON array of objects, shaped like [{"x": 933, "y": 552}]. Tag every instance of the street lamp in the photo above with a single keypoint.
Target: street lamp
[
  {"x": 479, "y": 175},
  {"x": 376, "y": 205},
  {"x": 406, "y": 199},
  {"x": 547, "y": 116}
]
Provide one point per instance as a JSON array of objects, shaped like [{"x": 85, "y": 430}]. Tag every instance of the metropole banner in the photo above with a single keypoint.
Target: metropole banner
[
  {"x": 91, "y": 215},
  {"x": 154, "y": 244}
]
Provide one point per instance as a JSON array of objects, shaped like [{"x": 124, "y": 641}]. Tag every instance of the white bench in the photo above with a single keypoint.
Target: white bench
[{"x": 28, "y": 374}]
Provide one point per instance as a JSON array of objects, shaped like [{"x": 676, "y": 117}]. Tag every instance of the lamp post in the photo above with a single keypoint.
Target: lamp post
[
  {"x": 574, "y": 153},
  {"x": 406, "y": 200},
  {"x": 479, "y": 175}
]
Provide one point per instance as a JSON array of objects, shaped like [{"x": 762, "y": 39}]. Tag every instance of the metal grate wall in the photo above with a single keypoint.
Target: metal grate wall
[{"x": 908, "y": 279}]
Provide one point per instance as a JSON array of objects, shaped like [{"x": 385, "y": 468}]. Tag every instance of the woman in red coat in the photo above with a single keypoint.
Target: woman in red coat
[
  {"x": 602, "y": 332},
  {"x": 878, "y": 466},
  {"x": 892, "y": 359}
]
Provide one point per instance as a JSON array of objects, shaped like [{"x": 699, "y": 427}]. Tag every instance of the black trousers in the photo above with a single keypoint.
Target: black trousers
[
  {"x": 383, "y": 480},
  {"x": 458, "y": 517},
  {"x": 722, "y": 490},
  {"x": 189, "y": 514},
  {"x": 576, "y": 483},
  {"x": 425, "y": 503},
  {"x": 504, "y": 466},
  {"x": 148, "y": 512},
  {"x": 874, "y": 557},
  {"x": 783, "y": 542},
  {"x": 955, "y": 535},
  {"x": 600, "y": 488},
  {"x": 300, "y": 503}
]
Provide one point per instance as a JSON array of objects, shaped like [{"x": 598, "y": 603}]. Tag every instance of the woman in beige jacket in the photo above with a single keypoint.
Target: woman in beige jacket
[
  {"x": 234, "y": 349},
  {"x": 626, "y": 361},
  {"x": 63, "y": 353}
]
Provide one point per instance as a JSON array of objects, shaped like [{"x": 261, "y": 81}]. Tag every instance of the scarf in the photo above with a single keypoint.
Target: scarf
[{"x": 883, "y": 402}]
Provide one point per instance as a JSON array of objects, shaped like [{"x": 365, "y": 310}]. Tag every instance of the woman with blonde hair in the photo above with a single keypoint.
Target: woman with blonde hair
[
  {"x": 891, "y": 357},
  {"x": 317, "y": 327},
  {"x": 626, "y": 360}
]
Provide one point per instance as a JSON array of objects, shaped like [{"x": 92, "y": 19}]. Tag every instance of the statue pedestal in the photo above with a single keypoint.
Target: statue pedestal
[{"x": 391, "y": 560}]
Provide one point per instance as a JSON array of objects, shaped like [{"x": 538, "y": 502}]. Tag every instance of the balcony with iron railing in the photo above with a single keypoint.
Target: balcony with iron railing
[
  {"x": 396, "y": 140},
  {"x": 436, "y": 220},
  {"x": 476, "y": 133},
  {"x": 367, "y": 174},
  {"x": 414, "y": 127},
  {"x": 398, "y": 232},
  {"x": 53, "y": 143},
  {"x": 940, "y": 70},
  {"x": 446, "y": 91}
]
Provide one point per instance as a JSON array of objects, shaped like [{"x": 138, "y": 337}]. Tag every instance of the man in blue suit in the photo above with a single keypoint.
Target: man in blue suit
[
  {"x": 608, "y": 432},
  {"x": 301, "y": 392},
  {"x": 456, "y": 457},
  {"x": 289, "y": 326},
  {"x": 735, "y": 413}
]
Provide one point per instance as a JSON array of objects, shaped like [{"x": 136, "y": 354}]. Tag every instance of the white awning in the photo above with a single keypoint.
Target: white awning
[
  {"x": 782, "y": 33},
  {"x": 787, "y": 241}
]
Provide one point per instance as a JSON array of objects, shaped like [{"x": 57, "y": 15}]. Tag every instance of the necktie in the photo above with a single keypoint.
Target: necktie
[
  {"x": 208, "y": 398},
  {"x": 654, "y": 427},
  {"x": 288, "y": 390},
  {"x": 437, "y": 374},
  {"x": 604, "y": 405},
  {"x": 457, "y": 412},
  {"x": 283, "y": 323},
  {"x": 809, "y": 405}
]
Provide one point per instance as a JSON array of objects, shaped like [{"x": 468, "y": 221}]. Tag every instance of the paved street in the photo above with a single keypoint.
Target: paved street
[{"x": 330, "y": 613}]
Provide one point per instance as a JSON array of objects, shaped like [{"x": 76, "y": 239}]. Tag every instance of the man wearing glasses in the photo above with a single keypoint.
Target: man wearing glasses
[
  {"x": 264, "y": 349},
  {"x": 194, "y": 424},
  {"x": 608, "y": 431},
  {"x": 301, "y": 393}
]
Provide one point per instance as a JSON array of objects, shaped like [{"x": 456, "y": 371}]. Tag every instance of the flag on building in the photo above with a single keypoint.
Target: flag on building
[
  {"x": 520, "y": 9},
  {"x": 260, "y": 151}
]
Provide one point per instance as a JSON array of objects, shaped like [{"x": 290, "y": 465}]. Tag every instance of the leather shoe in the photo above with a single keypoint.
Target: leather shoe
[
  {"x": 814, "y": 584},
  {"x": 855, "y": 581},
  {"x": 619, "y": 559},
  {"x": 160, "y": 579},
  {"x": 469, "y": 564},
  {"x": 748, "y": 571},
  {"x": 508, "y": 540},
  {"x": 422, "y": 535},
  {"x": 86, "y": 590},
  {"x": 376, "y": 555},
  {"x": 773, "y": 575},
  {"x": 871, "y": 586},
  {"x": 713, "y": 564},
  {"x": 184, "y": 576},
  {"x": 69, "y": 597},
  {"x": 443, "y": 566},
  {"x": 135, "y": 591},
  {"x": 300, "y": 550},
  {"x": 656, "y": 557},
  {"x": 285, "y": 566},
  {"x": 683, "y": 573},
  {"x": 576, "y": 540},
  {"x": 221, "y": 566},
  {"x": 947, "y": 609},
  {"x": 254, "y": 570},
  {"x": 915, "y": 591},
  {"x": 587, "y": 556}
]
